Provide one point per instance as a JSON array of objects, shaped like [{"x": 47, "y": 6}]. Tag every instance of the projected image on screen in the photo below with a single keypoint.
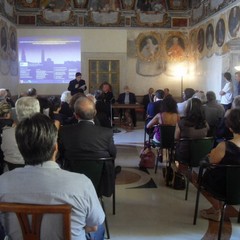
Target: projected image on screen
[{"x": 49, "y": 59}]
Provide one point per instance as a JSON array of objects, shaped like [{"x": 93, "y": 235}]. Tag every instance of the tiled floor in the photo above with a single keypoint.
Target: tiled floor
[{"x": 146, "y": 209}]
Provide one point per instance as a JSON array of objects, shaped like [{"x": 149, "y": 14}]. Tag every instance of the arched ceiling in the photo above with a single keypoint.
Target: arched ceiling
[{"x": 111, "y": 13}]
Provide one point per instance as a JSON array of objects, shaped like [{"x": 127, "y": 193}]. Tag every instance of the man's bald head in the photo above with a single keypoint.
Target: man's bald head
[{"x": 84, "y": 108}]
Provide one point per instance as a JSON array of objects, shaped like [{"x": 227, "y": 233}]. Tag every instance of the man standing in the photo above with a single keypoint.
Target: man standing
[
  {"x": 41, "y": 181},
  {"x": 227, "y": 92},
  {"x": 85, "y": 139},
  {"x": 77, "y": 85}
]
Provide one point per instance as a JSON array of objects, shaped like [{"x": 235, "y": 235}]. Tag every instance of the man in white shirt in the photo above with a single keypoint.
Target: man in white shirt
[{"x": 227, "y": 92}]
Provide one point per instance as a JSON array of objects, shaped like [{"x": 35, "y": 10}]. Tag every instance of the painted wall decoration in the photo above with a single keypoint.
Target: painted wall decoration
[
  {"x": 104, "y": 5},
  {"x": 200, "y": 40},
  {"x": 148, "y": 6},
  {"x": 12, "y": 43},
  {"x": 179, "y": 22},
  {"x": 128, "y": 4},
  {"x": 148, "y": 46},
  {"x": 234, "y": 21},
  {"x": 80, "y": 3},
  {"x": 220, "y": 32},
  {"x": 28, "y": 3},
  {"x": 4, "y": 50},
  {"x": 175, "y": 47},
  {"x": 209, "y": 36},
  {"x": 178, "y": 4},
  {"x": 149, "y": 57},
  {"x": 4, "y": 39}
]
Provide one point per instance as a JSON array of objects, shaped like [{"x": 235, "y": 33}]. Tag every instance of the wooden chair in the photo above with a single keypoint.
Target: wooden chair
[
  {"x": 197, "y": 149},
  {"x": 232, "y": 189},
  {"x": 94, "y": 168},
  {"x": 31, "y": 231}
]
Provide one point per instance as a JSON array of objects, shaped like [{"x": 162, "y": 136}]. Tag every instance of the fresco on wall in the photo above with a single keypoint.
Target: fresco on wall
[
  {"x": 216, "y": 4},
  {"x": 200, "y": 40},
  {"x": 28, "y": 3},
  {"x": 56, "y": 12},
  {"x": 220, "y": 32},
  {"x": 104, "y": 5},
  {"x": 149, "y": 49},
  {"x": 80, "y": 4},
  {"x": 178, "y": 4},
  {"x": 4, "y": 53},
  {"x": 175, "y": 47},
  {"x": 148, "y": 46},
  {"x": 209, "y": 36},
  {"x": 151, "y": 6},
  {"x": 128, "y": 4},
  {"x": 13, "y": 56},
  {"x": 234, "y": 21}
]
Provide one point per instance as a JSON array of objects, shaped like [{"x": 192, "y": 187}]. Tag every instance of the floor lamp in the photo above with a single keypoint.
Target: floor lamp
[{"x": 182, "y": 86}]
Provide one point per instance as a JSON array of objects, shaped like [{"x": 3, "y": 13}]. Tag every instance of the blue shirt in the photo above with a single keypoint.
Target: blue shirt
[{"x": 48, "y": 184}]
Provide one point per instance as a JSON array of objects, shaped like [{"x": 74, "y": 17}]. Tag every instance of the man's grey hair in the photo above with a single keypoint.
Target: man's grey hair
[
  {"x": 26, "y": 107},
  {"x": 84, "y": 108},
  {"x": 66, "y": 96}
]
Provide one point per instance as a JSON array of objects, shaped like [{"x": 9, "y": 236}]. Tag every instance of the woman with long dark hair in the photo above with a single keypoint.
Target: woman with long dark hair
[{"x": 193, "y": 126}]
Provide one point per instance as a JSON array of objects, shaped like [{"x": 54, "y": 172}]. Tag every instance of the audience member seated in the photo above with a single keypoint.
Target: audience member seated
[
  {"x": 194, "y": 126},
  {"x": 147, "y": 99},
  {"x": 187, "y": 94},
  {"x": 201, "y": 96},
  {"x": 214, "y": 112},
  {"x": 42, "y": 181},
  {"x": 44, "y": 103},
  {"x": 9, "y": 99},
  {"x": 127, "y": 98},
  {"x": 223, "y": 131},
  {"x": 74, "y": 98},
  {"x": 3, "y": 94},
  {"x": 65, "y": 100},
  {"x": 155, "y": 107},
  {"x": 101, "y": 116},
  {"x": 25, "y": 107},
  {"x": 5, "y": 121},
  {"x": 227, "y": 153},
  {"x": 54, "y": 109},
  {"x": 85, "y": 139},
  {"x": 168, "y": 116},
  {"x": 166, "y": 92}
]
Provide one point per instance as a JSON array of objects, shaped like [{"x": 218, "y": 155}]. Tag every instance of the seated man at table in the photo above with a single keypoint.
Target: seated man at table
[
  {"x": 41, "y": 181},
  {"x": 87, "y": 140},
  {"x": 128, "y": 98}
]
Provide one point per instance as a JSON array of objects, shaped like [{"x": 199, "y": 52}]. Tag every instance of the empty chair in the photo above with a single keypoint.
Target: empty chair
[
  {"x": 197, "y": 150},
  {"x": 31, "y": 227},
  {"x": 94, "y": 168}
]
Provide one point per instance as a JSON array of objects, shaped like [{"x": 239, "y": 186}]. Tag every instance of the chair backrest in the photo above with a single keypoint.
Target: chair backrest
[
  {"x": 167, "y": 136},
  {"x": 198, "y": 149},
  {"x": 233, "y": 184},
  {"x": 93, "y": 168},
  {"x": 31, "y": 231}
]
